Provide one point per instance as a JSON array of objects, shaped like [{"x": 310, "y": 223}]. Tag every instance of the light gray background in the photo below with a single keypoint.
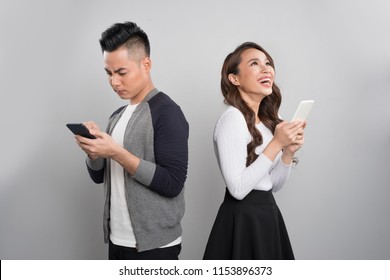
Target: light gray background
[{"x": 337, "y": 52}]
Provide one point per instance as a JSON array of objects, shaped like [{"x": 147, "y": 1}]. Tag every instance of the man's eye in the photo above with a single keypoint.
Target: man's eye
[{"x": 122, "y": 73}]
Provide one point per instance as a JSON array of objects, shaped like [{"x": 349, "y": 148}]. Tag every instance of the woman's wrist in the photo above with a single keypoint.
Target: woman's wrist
[
  {"x": 272, "y": 149},
  {"x": 287, "y": 157},
  {"x": 288, "y": 153}
]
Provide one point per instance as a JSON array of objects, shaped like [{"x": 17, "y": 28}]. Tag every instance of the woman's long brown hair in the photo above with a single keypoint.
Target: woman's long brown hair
[{"x": 269, "y": 106}]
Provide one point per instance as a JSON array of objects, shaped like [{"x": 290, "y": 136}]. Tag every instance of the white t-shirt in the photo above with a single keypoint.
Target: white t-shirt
[
  {"x": 121, "y": 229},
  {"x": 231, "y": 137}
]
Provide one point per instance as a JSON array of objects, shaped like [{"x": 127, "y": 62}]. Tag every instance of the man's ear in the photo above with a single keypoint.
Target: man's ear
[
  {"x": 146, "y": 63},
  {"x": 233, "y": 79}
]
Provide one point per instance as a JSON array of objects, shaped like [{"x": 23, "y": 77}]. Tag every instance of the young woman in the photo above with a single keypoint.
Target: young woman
[{"x": 255, "y": 150}]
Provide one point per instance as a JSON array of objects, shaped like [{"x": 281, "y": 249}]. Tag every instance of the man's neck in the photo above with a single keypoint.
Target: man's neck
[{"x": 141, "y": 96}]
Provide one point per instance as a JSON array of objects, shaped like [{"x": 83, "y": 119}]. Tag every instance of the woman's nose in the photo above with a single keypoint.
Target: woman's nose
[{"x": 265, "y": 68}]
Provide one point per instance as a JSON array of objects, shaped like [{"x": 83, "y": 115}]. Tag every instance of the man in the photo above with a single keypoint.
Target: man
[{"x": 142, "y": 157}]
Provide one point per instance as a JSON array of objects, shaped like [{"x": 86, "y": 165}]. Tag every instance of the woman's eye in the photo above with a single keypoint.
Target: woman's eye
[
  {"x": 254, "y": 63},
  {"x": 268, "y": 63}
]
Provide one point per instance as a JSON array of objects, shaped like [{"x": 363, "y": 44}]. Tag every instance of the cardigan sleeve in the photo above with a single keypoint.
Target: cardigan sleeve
[
  {"x": 96, "y": 169},
  {"x": 167, "y": 175}
]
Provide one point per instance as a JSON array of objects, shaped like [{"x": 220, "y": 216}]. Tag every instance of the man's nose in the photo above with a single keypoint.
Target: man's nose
[{"x": 115, "y": 80}]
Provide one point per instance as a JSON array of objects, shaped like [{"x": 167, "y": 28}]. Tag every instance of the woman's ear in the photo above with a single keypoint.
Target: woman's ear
[{"x": 233, "y": 79}]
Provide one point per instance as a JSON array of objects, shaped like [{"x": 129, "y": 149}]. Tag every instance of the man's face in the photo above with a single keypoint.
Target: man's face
[{"x": 129, "y": 77}]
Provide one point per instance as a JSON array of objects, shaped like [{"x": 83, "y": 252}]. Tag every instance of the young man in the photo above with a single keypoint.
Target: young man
[{"x": 142, "y": 157}]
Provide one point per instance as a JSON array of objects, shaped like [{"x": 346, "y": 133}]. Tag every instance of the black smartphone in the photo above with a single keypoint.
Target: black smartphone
[{"x": 80, "y": 129}]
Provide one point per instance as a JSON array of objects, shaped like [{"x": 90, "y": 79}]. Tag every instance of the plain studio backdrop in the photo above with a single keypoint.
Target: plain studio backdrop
[{"x": 336, "y": 52}]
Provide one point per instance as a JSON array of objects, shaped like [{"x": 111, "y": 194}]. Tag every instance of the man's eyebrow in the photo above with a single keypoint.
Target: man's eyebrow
[{"x": 115, "y": 71}]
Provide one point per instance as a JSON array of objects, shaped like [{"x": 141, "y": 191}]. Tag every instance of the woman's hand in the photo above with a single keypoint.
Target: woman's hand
[
  {"x": 287, "y": 133},
  {"x": 290, "y": 150},
  {"x": 294, "y": 147}
]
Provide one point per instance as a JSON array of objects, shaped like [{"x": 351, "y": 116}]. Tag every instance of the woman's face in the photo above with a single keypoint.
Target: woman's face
[{"x": 256, "y": 75}]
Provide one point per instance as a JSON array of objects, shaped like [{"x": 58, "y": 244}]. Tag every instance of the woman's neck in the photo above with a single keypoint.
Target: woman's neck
[{"x": 253, "y": 102}]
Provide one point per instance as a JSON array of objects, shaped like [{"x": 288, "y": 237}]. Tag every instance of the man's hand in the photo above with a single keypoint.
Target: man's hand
[{"x": 103, "y": 146}]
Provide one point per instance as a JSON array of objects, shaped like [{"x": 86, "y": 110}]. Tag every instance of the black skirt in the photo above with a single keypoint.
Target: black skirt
[{"x": 249, "y": 229}]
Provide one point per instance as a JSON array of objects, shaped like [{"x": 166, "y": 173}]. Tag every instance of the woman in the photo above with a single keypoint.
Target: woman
[{"x": 255, "y": 150}]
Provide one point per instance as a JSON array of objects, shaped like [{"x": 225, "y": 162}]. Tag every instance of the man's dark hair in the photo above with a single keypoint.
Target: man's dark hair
[{"x": 127, "y": 34}]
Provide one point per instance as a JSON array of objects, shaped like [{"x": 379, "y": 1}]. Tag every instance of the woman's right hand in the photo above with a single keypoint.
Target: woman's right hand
[{"x": 286, "y": 133}]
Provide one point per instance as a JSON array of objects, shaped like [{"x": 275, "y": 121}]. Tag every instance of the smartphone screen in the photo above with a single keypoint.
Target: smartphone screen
[
  {"x": 80, "y": 129},
  {"x": 303, "y": 110}
]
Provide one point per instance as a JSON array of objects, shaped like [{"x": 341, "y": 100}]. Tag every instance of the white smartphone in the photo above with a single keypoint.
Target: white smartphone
[{"x": 303, "y": 110}]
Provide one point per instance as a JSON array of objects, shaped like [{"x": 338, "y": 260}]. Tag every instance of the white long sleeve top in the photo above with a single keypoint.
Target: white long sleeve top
[{"x": 231, "y": 137}]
